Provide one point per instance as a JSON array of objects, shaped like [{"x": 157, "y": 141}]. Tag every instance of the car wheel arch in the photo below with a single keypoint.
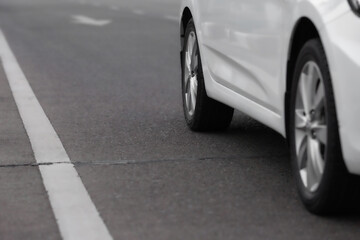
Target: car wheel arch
[
  {"x": 186, "y": 16},
  {"x": 303, "y": 31}
]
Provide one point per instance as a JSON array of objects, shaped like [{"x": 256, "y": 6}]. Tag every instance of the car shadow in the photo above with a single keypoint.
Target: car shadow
[{"x": 265, "y": 143}]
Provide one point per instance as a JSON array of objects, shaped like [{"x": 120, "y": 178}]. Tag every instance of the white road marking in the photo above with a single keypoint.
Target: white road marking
[
  {"x": 80, "y": 19},
  {"x": 172, "y": 18},
  {"x": 138, "y": 12},
  {"x": 76, "y": 214}
]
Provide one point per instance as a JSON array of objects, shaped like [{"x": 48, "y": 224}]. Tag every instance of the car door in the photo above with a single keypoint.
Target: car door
[{"x": 243, "y": 47}]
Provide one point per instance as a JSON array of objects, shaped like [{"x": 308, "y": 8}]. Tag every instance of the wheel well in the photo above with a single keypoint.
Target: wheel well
[
  {"x": 304, "y": 31},
  {"x": 185, "y": 18}
]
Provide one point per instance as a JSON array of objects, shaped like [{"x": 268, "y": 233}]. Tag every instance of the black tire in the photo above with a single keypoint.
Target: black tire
[
  {"x": 209, "y": 114},
  {"x": 336, "y": 186}
]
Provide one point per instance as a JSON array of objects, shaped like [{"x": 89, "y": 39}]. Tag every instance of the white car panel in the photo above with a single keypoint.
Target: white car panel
[
  {"x": 342, "y": 41},
  {"x": 242, "y": 45},
  {"x": 245, "y": 45}
]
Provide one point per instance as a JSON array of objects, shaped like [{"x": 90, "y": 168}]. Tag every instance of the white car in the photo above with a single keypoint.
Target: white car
[{"x": 293, "y": 65}]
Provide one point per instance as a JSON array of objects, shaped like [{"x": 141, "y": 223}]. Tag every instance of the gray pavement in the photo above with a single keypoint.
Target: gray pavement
[{"x": 112, "y": 94}]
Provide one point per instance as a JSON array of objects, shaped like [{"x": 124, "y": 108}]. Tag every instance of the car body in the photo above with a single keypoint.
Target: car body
[{"x": 248, "y": 52}]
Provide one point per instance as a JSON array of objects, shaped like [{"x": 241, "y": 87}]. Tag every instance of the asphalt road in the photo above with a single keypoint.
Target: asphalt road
[{"x": 112, "y": 93}]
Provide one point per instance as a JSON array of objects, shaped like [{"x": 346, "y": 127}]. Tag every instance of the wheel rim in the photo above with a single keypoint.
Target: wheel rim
[
  {"x": 191, "y": 74},
  {"x": 310, "y": 126}
]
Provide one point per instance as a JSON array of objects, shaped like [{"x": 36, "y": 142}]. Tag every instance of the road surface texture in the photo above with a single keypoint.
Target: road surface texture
[{"x": 106, "y": 74}]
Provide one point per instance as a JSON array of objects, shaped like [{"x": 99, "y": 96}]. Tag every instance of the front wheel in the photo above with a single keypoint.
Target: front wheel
[
  {"x": 319, "y": 169},
  {"x": 201, "y": 112}
]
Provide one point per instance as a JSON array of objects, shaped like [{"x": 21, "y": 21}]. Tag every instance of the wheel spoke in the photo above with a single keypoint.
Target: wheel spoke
[
  {"x": 318, "y": 161},
  {"x": 194, "y": 58},
  {"x": 188, "y": 62},
  {"x": 188, "y": 103},
  {"x": 195, "y": 63},
  {"x": 311, "y": 73},
  {"x": 187, "y": 93},
  {"x": 187, "y": 84},
  {"x": 303, "y": 174},
  {"x": 314, "y": 171},
  {"x": 302, "y": 151},
  {"x": 191, "y": 43},
  {"x": 304, "y": 88},
  {"x": 319, "y": 99},
  {"x": 193, "y": 95},
  {"x": 189, "y": 51},
  {"x": 195, "y": 86},
  {"x": 321, "y": 133},
  {"x": 300, "y": 119},
  {"x": 310, "y": 167},
  {"x": 312, "y": 80},
  {"x": 193, "y": 102},
  {"x": 302, "y": 159}
]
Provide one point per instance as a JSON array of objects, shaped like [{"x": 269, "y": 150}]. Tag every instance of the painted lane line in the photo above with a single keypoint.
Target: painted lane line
[
  {"x": 75, "y": 213},
  {"x": 171, "y": 18},
  {"x": 80, "y": 19}
]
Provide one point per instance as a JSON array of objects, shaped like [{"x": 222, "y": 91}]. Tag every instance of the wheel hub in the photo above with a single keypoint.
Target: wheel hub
[{"x": 310, "y": 129}]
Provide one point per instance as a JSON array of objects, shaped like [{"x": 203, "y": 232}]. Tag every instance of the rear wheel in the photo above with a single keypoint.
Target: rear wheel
[
  {"x": 201, "y": 112},
  {"x": 320, "y": 173}
]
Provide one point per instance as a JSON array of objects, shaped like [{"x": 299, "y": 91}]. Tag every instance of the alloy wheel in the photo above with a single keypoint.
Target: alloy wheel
[
  {"x": 191, "y": 74},
  {"x": 311, "y": 126}
]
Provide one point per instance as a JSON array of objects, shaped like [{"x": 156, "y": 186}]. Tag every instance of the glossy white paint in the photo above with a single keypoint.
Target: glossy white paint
[
  {"x": 242, "y": 44},
  {"x": 245, "y": 45},
  {"x": 342, "y": 39}
]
